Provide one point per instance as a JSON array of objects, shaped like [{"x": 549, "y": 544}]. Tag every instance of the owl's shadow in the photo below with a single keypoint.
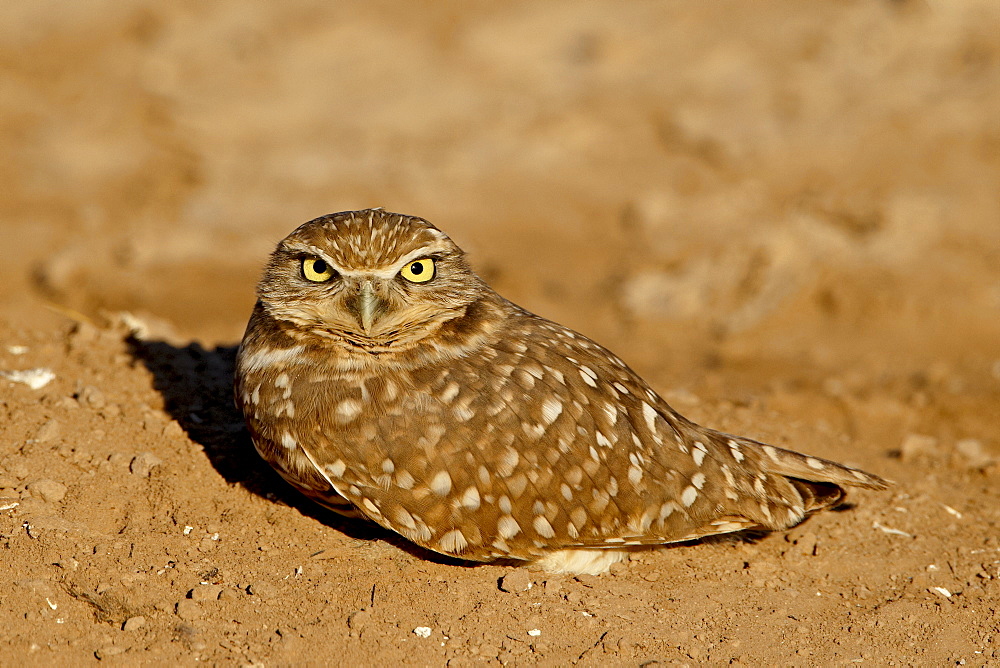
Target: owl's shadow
[{"x": 196, "y": 384}]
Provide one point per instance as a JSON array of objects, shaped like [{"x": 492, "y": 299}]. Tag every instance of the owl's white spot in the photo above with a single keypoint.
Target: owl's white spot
[
  {"x": 388, "y": 466},
  {"x": 566, "y": 491},
  {"x": 484, "y": 475},
  {"x": 348, "y": 409},
  {"x": 613, "y": 486},
  {"x": 621, "y": 388},
  {"x": 534, "y": 369},
  {"x": 503, "y": 503},
  {"x": 728, "y": 475},
  {"x": 449, "y": 392},
  {"x": 588, "y": 375},
  {"x": 508, "y": 462},
  {"x": 404, "y": 480},
  {"x": 526, "y": 379},
  {"x": 538, "y": 508},
  {"x": 579, "y": 517},
  {"x": 771, "y": 452},
  {"x": 267, "y": 358},
  {"x": 594, "y": 455},
  {"x": 517, "y": 484},
  {"x": 288, "y": 408},
  {"x": 600, "y": 502},
  {"x": 612, "y": 412},
  {"x": 370, "y": 505},
  {"x": 732, "y": 495},
  {"x": 574, "y": 476},
  {"x": 282, "y": 381},
  {"x": 441, "y": 483},
  {"x": 636, "y": 440},
  {"x": 404, "y": 518},
  {"x": 542, "y": 527},
  {"x": 390, "y": 390},
  {"x": 463, "y": 412},
  {"x": 337, "y": 468},
  {"x": 667, "y": 509},
  {"x": 508, "y": 527},
  {"x": 504, "y": 370},
  {"x": 698, "y": 480},
  {"x": 470, "y": 498},
  {"x": 288, "y": 441},
  {"x": 422, "y": 532},
  {"x": 552, "y": 408},
  {"x": 649, "y": 414},
  {"x": 766, "y": 511},
  {"x": 758, "y": 485},
  {"x": 689, "y": 495},
  {"x": 557, "y": 374},
  {"x": 453, "y": 541},
  {"x": 534, "y": 431},
  {"x": 432, "y": 434},
  {"x": 603, "y": 441},
  {"x": 634, "y": 475},
  {"x": 814, "y": 463},
  {"x": 734, "y": 448},
  {"x": 255, "y": 397},
  {"x": 698, "y": 456},
  {"x": 571, "y": 530},
  {"x": 795, "y": 514}
]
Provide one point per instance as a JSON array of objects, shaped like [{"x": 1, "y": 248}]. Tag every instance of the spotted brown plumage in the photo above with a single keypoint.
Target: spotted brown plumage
[{"x": 383, "y": 378}]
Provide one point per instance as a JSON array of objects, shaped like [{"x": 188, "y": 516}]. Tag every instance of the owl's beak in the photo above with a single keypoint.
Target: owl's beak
[{"x": 368, "y": 306}]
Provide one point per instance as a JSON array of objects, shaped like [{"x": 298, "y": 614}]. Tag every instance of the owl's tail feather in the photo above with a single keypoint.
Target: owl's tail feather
[
  {"x": 818, "y": 495},
  {"x": 811, "y": 469}
]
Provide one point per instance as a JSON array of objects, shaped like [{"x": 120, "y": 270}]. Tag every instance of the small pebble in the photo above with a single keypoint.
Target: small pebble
[
  {"x": 134, "y": 623},
  {"x": 93, "y": 397},
  {"x": 109, "y": 651},
  {"x": 359, "y": 619},
  {"x": 516, "y": 581},
  {"x": 49, "y": 491},
  {"x": 422, "y": 631},
  {"x": 188, "y": 610},
  {"x": 262, "y": 589},
  {"x": 143, "y": 464},
  {"x": 48, "y": 431},
  {"x": 917, "y": 445},
  {"x": 205, "y": 593},
  {"x": 973, "y": 452}
]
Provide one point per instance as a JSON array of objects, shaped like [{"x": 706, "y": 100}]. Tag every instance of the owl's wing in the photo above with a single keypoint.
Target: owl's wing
[{"x": 548, "y": 441}]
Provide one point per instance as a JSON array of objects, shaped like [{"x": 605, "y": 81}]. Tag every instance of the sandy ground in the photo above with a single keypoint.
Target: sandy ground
[{"x": 784, "y": 215}]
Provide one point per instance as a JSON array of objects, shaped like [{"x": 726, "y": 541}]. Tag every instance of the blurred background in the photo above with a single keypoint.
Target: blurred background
[{"x": 773, "y": 192}]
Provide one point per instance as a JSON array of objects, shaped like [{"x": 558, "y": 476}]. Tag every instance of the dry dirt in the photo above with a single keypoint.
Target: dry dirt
[{"x": 784, "y": 215}]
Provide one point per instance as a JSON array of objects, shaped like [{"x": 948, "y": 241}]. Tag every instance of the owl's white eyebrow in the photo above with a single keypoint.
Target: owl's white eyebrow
[{"x": 385, "y": 272}]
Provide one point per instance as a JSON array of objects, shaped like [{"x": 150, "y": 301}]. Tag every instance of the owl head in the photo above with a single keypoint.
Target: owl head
[{"x": 368, "y": 279}]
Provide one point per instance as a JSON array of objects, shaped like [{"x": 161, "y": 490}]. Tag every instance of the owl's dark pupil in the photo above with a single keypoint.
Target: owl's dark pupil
[
  {"x": 319, "y": 266},
  {"x": 417, "y": 268}
]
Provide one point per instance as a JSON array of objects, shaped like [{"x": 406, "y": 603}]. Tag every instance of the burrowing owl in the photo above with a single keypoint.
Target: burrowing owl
[{"x": 380, "y": 376}]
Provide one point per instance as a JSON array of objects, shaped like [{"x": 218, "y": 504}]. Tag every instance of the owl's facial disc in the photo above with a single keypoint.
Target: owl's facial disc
[{"x": 370, "y": 281}]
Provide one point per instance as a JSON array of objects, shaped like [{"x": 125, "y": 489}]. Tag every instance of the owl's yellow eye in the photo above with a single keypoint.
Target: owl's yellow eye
[
  {"x": 418, "y": 271},
  {"x": 316, "y": 270}
]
